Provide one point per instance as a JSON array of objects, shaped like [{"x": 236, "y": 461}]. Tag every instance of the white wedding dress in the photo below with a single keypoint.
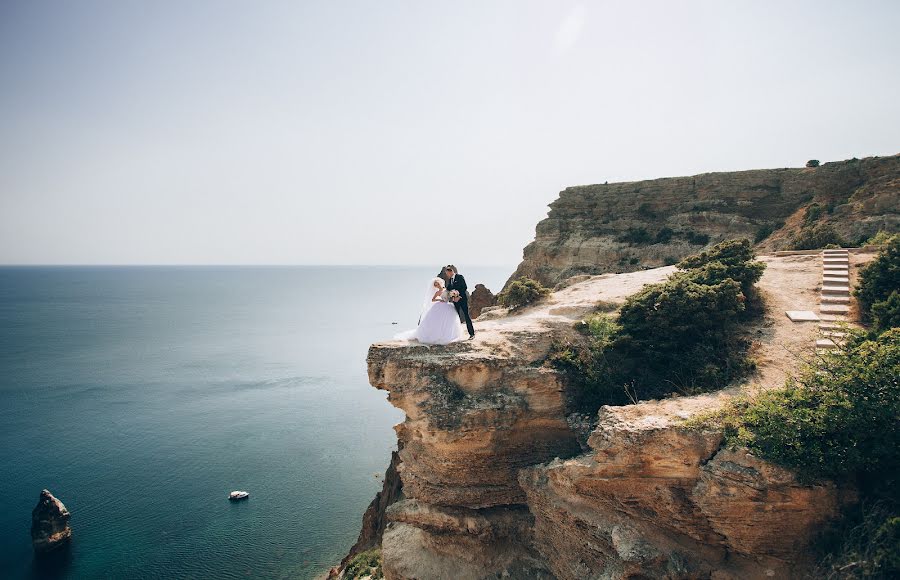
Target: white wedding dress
[{"x": 439, "y": 325}]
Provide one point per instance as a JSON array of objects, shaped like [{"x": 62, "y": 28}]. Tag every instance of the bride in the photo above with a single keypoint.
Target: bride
[{"x": 439, "y": 323}]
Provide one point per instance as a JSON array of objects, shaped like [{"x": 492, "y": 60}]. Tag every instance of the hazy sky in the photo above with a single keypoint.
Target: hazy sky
[{"x": 411, "y": 132}]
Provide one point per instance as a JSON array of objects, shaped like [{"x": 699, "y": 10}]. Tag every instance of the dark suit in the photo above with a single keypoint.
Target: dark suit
[{"x": 458, "y": 283}]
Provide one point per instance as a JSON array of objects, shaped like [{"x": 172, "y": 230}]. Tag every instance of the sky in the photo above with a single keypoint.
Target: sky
[{"x": 403, "y": 132}]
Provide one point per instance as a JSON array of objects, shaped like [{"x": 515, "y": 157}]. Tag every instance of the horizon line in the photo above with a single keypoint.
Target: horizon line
[{"x": 213, "y": 265}]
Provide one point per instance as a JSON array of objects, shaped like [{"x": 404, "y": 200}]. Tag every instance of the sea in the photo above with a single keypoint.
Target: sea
[{"x": 141, "y": 396}]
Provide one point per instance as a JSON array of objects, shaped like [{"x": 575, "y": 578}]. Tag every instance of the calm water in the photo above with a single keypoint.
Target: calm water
[{"x": 142, "y": 396}]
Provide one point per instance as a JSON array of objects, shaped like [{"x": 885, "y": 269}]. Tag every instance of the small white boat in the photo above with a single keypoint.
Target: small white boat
[{"x": 236, "y": 495}]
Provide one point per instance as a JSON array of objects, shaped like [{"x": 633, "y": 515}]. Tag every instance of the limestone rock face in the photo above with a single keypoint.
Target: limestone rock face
[
  {"x": 621, "y": 227},
  {"x": 425, "y": 541},
  {"x": 49, "y": 524},
  {"x": 480, "y": 299},
  {"x": 662, "y": 501},
  {"x": 499, "y": 479}
]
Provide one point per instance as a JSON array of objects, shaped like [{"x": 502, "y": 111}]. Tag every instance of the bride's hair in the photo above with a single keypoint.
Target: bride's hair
[{"x": 439, "y": 282}]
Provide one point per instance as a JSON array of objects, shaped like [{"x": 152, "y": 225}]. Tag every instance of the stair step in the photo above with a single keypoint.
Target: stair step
[
  {"x": 829, "y": 299},
  {"x": 835, "y": 251},
  {"x": 834, "y": 334},
  {"x": 801, "y": 315},
  {"x": 825, "y": 343},
  {"x": 836, "y": 280},
  {"x": 834, "y": 309},
  {"x": 839, "y": 290},
  {"x": 833, "y": 318}
]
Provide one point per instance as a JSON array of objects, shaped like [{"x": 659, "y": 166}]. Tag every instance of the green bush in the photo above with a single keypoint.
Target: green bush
[
  {"x": 881, "y": 238},
  {"x": 886, "y": 313},
  {"x": 680, "y": 335},
  {"x": 696, "y": 238},
  {"x": 836, "y": 420},
  {"x": 601, "y": 328},
  {"x": 763, "y": 232},
  {"x": 635, "y": 237},
  {"x": 814, "y": 237},
  {"x": 664, "y": 235},
  {"x": 866, "y": 544},
  {"x": 813, "y": 213},
  {"x": 522, "y": 292},
  {"x": 365, "y": 564},
  {"x": 812, "y": 163},
  {"x": 879, "y": 280},
  {"x": 729, "y": 259}
]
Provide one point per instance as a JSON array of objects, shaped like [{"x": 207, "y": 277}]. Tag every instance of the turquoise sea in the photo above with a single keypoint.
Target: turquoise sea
[{"x": 141, "y": 396}]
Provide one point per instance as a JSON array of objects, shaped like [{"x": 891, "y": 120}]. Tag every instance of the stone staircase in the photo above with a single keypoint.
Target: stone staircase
[{"x": 834, "y": 300}]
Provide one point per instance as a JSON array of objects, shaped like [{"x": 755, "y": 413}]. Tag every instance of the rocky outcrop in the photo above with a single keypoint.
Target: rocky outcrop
[
  {"x": 498, "y": 480},
  {"x": 426, "y": 541},
  {"x": 622, "y": 227},
  {"x": 50, "y": 529},
  {"x": 659, "y": 500},
  {"x": 480, "y": 299}
]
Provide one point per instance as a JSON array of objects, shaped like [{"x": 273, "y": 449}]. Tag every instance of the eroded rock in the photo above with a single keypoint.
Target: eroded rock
[
  {"x": 657, "y": 499},
  {"x": 480, "y": 299},
  {"x": 50, "y": 529}
]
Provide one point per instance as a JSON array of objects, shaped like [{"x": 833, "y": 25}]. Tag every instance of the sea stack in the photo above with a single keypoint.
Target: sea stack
[{"x": 49, "y": 524}]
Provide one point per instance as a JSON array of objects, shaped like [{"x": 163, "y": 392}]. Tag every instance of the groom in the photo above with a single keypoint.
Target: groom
[{"x": 456, "y": 282}]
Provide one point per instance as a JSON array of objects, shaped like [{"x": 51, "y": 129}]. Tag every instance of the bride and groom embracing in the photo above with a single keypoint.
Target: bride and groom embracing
[{"x": 446, "y": 308}]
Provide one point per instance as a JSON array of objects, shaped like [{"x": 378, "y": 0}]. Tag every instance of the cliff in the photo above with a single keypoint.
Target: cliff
[
  {"x": 497, "y": 480},
  {"x": 623, "y": 227}
]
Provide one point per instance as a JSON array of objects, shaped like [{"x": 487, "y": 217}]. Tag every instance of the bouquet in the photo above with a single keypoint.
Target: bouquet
[{"x": 454, "y": 296}]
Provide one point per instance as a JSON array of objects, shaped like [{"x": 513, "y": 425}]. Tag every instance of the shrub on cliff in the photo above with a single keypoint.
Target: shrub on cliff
[
  {"x": 696, "y": 238},
  {"x": 812, "y": 163},
  {"x": 836, "y": 420},
  {"x": 680, "y": 335},
  {"x": 732, "y": 259},
  {"x": 879, "y": 282},
  {"x": 635, "y": 237},
  {"x": 365, "y": 565},
  {"x": 814, "y": 237},
  {"x": 522, "y": 292},
  {"x": 880, "y": 238}
]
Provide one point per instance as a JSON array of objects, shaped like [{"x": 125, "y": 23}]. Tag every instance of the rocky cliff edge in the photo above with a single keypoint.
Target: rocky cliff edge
[{"x": 496, "y": 481}]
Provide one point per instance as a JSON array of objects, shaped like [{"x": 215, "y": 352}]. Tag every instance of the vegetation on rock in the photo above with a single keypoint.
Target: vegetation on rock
[
  {"x": 840, "y": 419},
  {"x": 814, "y": 237},
  {"x": 812, "y": 163},
  {"x": 878, "y": 290},
  {"x": 522, "y": 292},
  {"x": 881, "y": 238},
  {"x": 681, "y": 335},
  {"x": 365, "y": 565},
  {"x": 837, "y": 420}
]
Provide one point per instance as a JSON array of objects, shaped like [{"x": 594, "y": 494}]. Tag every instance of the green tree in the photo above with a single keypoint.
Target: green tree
[{"x": 878, "y": 281}]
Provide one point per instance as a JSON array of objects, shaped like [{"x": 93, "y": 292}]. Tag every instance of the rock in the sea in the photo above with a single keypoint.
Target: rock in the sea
[
  {"x": 480, "y": 299},
  {"x": 49, "y": 524}
]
